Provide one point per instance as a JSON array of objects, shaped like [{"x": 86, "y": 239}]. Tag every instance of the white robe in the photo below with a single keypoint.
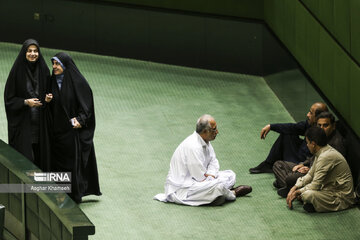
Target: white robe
[{"x": 186, "y": 183}]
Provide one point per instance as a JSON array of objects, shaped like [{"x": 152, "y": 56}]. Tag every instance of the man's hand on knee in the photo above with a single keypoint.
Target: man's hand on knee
[
  {"x": 209, "y": 177},
  {"x": 297, "y": 167},
  {"x": 303, "y": 170}
]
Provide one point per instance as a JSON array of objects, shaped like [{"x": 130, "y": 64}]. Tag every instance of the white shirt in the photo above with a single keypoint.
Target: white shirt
[{"x": 190, "y": 161}]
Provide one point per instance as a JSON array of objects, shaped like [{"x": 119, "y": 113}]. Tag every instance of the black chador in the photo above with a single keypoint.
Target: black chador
[
  {"x": 27, "y": 126},
  {"x": 73, "y": 148}
]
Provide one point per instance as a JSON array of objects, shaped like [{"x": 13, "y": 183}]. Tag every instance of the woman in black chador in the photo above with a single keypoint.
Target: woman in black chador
[
  {"x": 72, "y": 110},
  {"x": 24, "y": 97}
]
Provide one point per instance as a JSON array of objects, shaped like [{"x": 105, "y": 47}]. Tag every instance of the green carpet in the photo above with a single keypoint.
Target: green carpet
[{"x": 143, "y": 111}]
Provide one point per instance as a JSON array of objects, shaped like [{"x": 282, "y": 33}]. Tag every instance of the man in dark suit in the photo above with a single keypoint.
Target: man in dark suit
[
  {"x": 288, "y": 146},
  {"x": 286, "y": 173}
]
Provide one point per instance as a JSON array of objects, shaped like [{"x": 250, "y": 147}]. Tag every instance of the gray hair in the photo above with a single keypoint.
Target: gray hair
[{"x": 203, "y": 123}]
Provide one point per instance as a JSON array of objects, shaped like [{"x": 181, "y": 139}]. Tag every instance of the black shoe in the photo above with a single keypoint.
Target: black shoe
[
  {"x": 242, "y": 190},
  {"x": 309, "y": 208},
  {"x": 275, "y": 184},
  {"x": 263, "y": 167},
  {"x": 283, "y": 192}
]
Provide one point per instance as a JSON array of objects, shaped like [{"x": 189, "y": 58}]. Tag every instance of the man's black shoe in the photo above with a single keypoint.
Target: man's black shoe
[
  {"x": 263, "y": 167},
  {"x": 275, "y": 184},
  {"x": 309, "y": 208},
  {"x": 242, "y": 190},
  {"x": 283, "y": 192}
]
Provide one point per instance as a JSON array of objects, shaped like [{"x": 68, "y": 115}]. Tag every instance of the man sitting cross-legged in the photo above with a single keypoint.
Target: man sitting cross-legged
[
  {"x": 288, "y": 146},
  {"x": 328, "y": 186},
  {"x": 194, "y": 178},
  {"x": 286, "y": 173}
]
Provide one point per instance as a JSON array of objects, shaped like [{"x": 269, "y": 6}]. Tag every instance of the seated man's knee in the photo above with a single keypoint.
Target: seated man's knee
[
  {"x": 308, "y": 196},
  {"x": 220, "y": 187},
  {"x": 232, "y": 174},
  {"x": 278, "y": 165}
]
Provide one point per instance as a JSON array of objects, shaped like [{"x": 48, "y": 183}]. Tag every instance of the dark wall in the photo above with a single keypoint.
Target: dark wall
[
  {"x": 253, "y": 9},
  {"x": 323, "y": 36},
  {"x": 341, "y": 19},
  {"x": 166, "y": 36},
  {"x": 320, "y": 50}
]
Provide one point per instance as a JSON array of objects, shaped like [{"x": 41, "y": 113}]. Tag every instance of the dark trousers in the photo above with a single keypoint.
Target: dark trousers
[
  {"x": 284, "y": 175},
  {"x": 286, "y": 148}
]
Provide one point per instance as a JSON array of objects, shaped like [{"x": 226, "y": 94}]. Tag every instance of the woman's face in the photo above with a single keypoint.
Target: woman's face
[
  {"x": 57, "y": 69},
  {"x": 32, "y": 53}
]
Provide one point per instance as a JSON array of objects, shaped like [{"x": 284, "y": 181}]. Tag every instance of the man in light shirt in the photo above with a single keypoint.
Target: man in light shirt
[{"x": 194, "y": 178}]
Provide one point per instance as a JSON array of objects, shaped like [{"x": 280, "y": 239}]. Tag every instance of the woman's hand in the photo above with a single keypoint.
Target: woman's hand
[
  {"x": 75, "y": 123},
  {"x": 33, "y": 102},
  {"x": 48, "y": 97}
]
